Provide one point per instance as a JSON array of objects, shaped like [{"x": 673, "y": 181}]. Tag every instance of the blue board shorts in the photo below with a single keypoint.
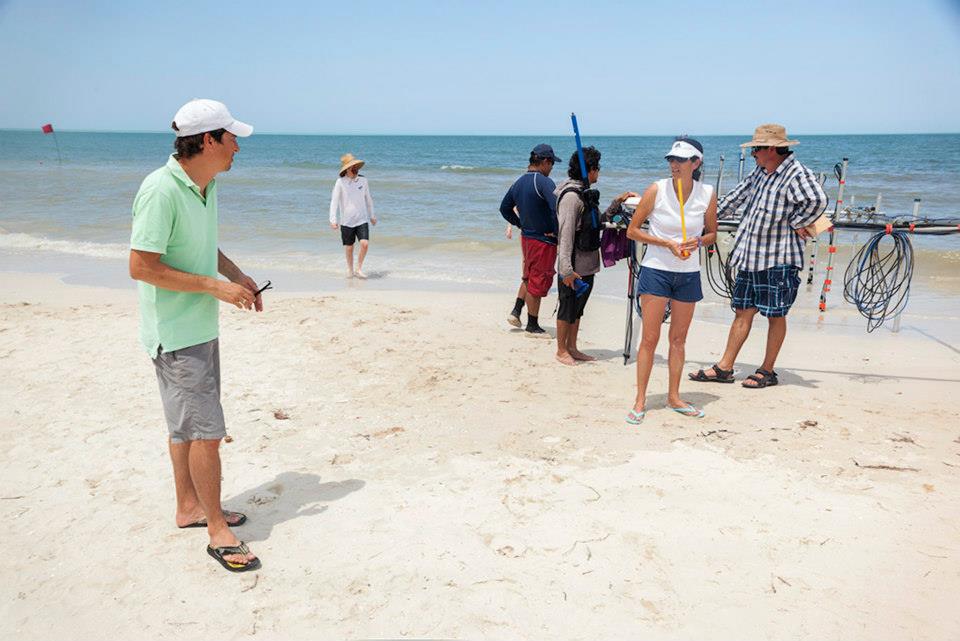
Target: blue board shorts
[
  {"x": 772, "y": 291},
  {"x": 679, "y": 286}
]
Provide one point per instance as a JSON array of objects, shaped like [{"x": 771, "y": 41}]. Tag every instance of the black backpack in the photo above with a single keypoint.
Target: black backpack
[{"x": 587, "y": 235}]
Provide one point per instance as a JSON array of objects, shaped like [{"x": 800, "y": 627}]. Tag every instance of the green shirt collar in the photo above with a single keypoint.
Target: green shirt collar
[{"x": 177, "y": 170}]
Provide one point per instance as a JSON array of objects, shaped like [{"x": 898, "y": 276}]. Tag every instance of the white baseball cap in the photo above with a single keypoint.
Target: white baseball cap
[
  {"x": 201, "y": 115},
  {"x": 682, "y": 149}
]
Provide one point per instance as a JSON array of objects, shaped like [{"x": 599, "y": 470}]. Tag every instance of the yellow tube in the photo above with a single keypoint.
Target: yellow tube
[{"x": 683, "y": 222}]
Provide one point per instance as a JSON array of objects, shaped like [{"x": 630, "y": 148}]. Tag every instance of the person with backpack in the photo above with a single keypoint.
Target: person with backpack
[
  {"x": 578, "y": 249},
  {"x": 681, "y": 213}
]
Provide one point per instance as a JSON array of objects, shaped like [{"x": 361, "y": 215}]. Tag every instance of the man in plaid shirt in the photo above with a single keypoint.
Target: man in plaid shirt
[{"x": 781, "y": 197}]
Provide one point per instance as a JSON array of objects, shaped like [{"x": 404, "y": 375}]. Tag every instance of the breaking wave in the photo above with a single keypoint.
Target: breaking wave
[{"x": 27, "y": 242}]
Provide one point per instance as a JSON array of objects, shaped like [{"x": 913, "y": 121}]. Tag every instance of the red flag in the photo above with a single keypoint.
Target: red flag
[{"x": 47, "y": 128}]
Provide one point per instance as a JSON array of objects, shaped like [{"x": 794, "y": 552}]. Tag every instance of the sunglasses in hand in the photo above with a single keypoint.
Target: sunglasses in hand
[{"x": 264, "y": 288}]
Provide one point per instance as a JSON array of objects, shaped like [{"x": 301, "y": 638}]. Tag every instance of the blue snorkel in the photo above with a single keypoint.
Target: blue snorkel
[{"x": 594, "y": 214}]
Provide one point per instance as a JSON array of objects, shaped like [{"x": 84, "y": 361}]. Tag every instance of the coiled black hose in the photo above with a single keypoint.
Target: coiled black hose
[
  {"x": 719, "y": 275},
  {"x": 877, "y": 279}
]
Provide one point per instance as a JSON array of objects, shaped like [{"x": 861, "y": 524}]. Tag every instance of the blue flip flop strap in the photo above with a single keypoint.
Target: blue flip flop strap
[{"x": 689, "y": 410}]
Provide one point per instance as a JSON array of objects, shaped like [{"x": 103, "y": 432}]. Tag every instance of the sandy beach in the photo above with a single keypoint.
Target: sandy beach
[{"x": 412, "y": 468}]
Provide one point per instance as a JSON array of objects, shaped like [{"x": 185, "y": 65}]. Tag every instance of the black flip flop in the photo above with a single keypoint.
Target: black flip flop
[
  {"x": 219, "y": 553},
  {"x": 226, "y": 513},
  {"x": 722, "y": 376},
  {"x": 765, "y": 379}
]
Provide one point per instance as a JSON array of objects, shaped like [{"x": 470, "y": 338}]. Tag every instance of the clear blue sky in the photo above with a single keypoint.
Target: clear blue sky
[{"x": 486, "y": 67}]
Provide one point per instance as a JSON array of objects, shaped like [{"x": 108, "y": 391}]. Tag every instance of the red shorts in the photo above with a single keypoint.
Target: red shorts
[{"x": 539, "y": 265}]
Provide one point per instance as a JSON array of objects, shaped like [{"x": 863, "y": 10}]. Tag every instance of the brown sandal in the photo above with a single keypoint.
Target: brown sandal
[
  {"x": 721, "y": 376},
  {"x": 762, "y": 378}
]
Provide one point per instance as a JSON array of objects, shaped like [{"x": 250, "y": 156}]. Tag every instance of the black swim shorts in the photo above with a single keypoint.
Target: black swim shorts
[
  {"x": 350, "y": 234},
  {"x": 571, "y": 305}
]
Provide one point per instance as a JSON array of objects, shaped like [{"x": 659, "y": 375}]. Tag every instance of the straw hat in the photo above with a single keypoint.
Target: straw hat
[
  {"x": 771, "y": 135},
  {"x": 347, "y": 161}
]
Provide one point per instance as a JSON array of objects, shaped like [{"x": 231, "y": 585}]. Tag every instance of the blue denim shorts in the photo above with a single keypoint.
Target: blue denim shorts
[
  {"x": 772, "y": 291},
  {"x": 679, "y": 286}
]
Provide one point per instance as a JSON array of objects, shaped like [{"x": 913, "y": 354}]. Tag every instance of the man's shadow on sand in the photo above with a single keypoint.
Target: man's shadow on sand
[
  {"x": 290, "y": 495},
  {"x": 740, "y": 372}
]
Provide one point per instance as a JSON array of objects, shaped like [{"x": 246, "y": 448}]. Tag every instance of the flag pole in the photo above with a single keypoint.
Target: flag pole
[
  {"x": 57, "y": 143},
  {"x": 48, "y": 129}
]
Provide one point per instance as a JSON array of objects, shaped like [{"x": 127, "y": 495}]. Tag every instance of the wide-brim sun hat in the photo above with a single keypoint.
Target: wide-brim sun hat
[
  {"x": 201, "y": 115},
  {"x": 347, "y": 161},
  {"x": 770, "y": 135},
  {"x": 683, "y": 149}
]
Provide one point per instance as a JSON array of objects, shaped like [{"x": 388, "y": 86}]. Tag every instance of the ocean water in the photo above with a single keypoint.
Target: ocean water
[{"x": 436, "y": 197}]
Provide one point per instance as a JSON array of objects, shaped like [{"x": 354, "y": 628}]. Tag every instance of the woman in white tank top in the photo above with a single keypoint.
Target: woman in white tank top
[{"x": 670, "y": 269}]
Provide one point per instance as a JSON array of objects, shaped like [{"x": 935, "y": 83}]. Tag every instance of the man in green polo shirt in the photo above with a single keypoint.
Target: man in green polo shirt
[{"x": 174, "y": 254}]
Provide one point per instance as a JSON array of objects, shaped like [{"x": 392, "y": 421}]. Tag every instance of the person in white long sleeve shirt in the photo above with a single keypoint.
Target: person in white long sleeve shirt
[{"x": 351, "y": 198}]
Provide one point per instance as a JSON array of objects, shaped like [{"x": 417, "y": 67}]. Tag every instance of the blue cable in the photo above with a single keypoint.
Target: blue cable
[{"x": 878, "y": 282}]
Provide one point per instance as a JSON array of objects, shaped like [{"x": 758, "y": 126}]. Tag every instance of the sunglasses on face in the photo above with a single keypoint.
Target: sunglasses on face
[
  {"x": 677, "y": 159},
  {"x": 264, "y": 288},
  {"x": 759, "y": 149}
]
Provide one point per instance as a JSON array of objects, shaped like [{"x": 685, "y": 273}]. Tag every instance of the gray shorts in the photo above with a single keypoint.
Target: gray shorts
[{"x": 190, "y": 390}]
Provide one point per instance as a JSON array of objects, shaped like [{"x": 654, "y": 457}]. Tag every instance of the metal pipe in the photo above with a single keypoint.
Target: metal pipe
[
  {"x": 821, "y": 178},
  {"x": 813, "y": 261},
  {"x": 740, "y": 169},
  {"x": 827, "y": 281},
  {"x": 720, "y": 176}
]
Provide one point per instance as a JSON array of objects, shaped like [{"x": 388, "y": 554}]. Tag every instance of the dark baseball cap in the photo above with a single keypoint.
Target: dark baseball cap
[{"x": 546, "y": 152}]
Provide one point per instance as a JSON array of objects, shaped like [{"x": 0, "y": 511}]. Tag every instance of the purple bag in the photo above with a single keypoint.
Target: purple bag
[{"x": 614, "y": 245}]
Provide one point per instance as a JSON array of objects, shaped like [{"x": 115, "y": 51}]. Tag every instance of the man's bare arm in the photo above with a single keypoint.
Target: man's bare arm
[
  {"x": 229, "y": 269},
  {"x": 148, "y": 267}
]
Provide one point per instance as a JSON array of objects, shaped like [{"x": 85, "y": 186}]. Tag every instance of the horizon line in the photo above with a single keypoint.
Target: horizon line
[{"x": 483, "y": 135}]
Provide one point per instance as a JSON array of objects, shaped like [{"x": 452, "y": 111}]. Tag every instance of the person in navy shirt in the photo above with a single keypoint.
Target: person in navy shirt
[{"x": 531, "y": 205}]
